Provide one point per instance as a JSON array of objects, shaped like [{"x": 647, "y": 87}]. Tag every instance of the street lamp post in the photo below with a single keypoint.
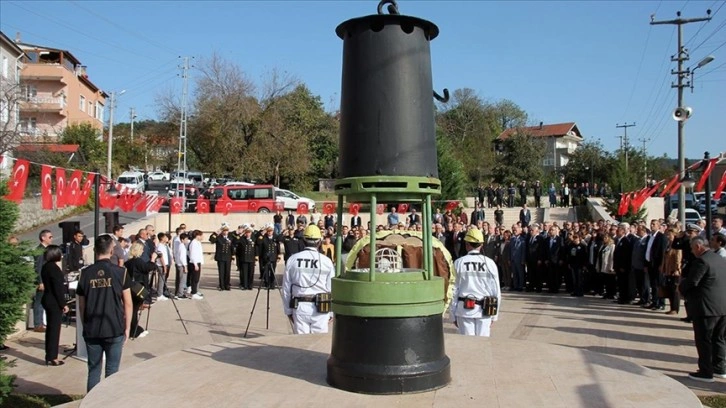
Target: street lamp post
[
  {"x": 689, "y": 182},
  {"x": 109, "y": 152},
  {"x": 96, "y": 198}
]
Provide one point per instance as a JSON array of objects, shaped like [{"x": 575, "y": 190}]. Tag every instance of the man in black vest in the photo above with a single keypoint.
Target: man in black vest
[
  {"x": 104, "y": 307},
  {"x": 74, "y": 260},
  {"x": 223, "y": 256},
  {"x": 704, "y": 288}
]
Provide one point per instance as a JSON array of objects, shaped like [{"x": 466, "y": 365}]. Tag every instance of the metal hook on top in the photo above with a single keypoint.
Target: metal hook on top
[
  {"x": 443, "y": 99},
  {"x": 392, "y": 6}
]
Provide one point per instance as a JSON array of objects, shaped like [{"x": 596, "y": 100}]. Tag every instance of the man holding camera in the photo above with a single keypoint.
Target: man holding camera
[
  {"x": 476, "y": 295},
  {"x": 306, "y": 286},
  {"x": 268, "y": 250}
]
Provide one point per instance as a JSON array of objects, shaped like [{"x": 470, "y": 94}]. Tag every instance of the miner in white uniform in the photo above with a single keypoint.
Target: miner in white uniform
[
  {"x": 306, "y": 286},
  {"x": 476, "y": 296}
]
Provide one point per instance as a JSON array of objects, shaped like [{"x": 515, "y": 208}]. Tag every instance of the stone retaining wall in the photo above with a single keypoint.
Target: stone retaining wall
[{"x": 32, "y": 215}]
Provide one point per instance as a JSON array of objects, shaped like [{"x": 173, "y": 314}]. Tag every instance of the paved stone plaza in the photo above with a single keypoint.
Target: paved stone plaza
[{"x": 647, "y": 338}]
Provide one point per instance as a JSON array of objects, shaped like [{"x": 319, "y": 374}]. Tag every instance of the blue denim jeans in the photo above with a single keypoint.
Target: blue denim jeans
[{"x": 96, "y": 347}]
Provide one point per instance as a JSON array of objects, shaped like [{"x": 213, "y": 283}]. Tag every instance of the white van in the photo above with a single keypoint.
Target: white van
[{"x": 132, "y": 180}]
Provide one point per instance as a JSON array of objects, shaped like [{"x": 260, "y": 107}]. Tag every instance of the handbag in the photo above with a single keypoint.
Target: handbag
[{"x": 139, "y": 291}]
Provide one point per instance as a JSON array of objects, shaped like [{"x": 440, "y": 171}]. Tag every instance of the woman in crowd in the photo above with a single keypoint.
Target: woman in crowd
[
  {"x": 53, "y": 301},
  {"x": 505, "y": 261},
  {"x": 139, "y": 271},
  {"x": 672, "y": 273},
  {"x": 604, "y": 266}
]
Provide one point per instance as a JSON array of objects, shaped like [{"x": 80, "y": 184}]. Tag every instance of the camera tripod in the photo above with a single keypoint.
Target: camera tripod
[{"x": 269, "y": 282}]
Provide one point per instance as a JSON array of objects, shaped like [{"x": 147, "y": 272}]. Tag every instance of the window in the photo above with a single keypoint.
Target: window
[
  {"x": 30, "y": 91},
  {"x": 263, "y": 193},
  {"x": 82, "y": 104},
  {"x": 99, "y": 111},
  {"x": 5, "y": 66},
  {"x": 548, "y": 161}
]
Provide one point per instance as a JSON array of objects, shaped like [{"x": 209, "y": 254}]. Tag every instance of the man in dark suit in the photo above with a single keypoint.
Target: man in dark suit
[
  {"x": 455, "y": 242},
  {"x": 477, "y": 215},
  {"x": 525, "y": 216},
  {"x": 534, "y": 259},
  {"x": 654, "y": 254},
  {"x": 355, "y": 221},
  {"x": 537, "y": 191},
  {"x": 704, "y": 288},
  {"x": 554, "y": 254},
  {"x": 622, "y": 261}
]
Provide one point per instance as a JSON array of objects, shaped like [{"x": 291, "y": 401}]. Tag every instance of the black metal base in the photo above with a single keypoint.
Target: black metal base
[{"x": 388, "y": 355}]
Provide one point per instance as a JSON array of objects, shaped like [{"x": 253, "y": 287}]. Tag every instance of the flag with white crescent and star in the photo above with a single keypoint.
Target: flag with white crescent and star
[
  {"x": 60, "y": 187},
  {"x": 86, "y": 190},
  {"x": 46, "y": 187},
  {"x": 202, "y": 205},
  {"x": 328, "y": 208},
  {"x": 73, "y": 191},
  {"x": 18, "y": 181},
  {"x": 176, "y": 204}
]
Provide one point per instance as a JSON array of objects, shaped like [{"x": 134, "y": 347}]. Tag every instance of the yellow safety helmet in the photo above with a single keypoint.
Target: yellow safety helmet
[
  {"x": 474, "y": 236},
  {"x": 312, "y": 232}
]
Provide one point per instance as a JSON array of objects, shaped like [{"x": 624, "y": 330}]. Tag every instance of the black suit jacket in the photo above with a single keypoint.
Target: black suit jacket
[
  {"x": 623, "y": 255},
  {"x": 704, "y": 287},
  {"x": 525, "y": 218},
  {"x": 657, "y": 251},
  {"x": 554, "y": 252},
  {"x": 534, "y": 248}
]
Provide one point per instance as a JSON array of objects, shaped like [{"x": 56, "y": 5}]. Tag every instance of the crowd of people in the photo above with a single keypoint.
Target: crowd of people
[{"x": 565, "y": 195}]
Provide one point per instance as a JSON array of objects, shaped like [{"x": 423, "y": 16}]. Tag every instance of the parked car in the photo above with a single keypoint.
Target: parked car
[
  {"x": 255, "y": 198},
  {"x": 196, "y": 177},
  {"x": 291, "y": 200},
  {"x": 132, "y": 180},
  {"x": 159, "y": 175},
  {"x": 692, "y": 215},
  {"x": 702, "y": 206}
]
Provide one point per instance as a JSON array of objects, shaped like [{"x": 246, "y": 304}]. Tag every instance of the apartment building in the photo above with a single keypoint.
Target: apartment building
[
  {"x": 56, "y": 92},
  {"x": 11, "y": 64},
  {"x": 561, "y": 140}
]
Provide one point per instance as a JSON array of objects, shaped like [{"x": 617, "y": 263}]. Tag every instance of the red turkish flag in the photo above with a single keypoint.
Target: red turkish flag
[
  {"x": 353, "y": 208},
  {"x": 176, "y": 204},
  {"x": 623, "y": 206},
  {"x": 706, "y": 174},
  {"x": 18, "y": 181},
  {"x": 279, "y": 206},
  {"x": 329, "y": 207},
  {"x": 402, "y": 208},
  {"x": 73, "y": 189},
  {"x": 302, "y": 208},
  {"x": 202, "y": 205},
  {"x": 86, "y": 189},
  {"x": 46, "y": 187},
  {"x": 224, "y": 205},
  {"x": 669, "y": 186},
  {"x": 106, "y": 200},
  {"x": 380, "y": 208},
  {"x": 451, "y": 205},
  {"x": 721, "y": 186},
  {"x": 126, "y": 201},
  {"x": 155, "y": 206},
  {"x": 60, "y": 188}
]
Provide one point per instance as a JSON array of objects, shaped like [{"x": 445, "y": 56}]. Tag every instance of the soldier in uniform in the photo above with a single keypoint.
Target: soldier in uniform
[
  {"x": 306, "y": 286},
  {"x": 523, "y": 193},
  {"x": 268, "y": 251},
  {"x": 245, "y": 252},
  {"x": 291, "y": 244},
  {"x": 477, "y": 279},
  {"x": 223, "y": 256},
  {"x": 74, "y": 260},
  {"x": 510, "y": 195},
  {"x": 537, "y": 191}
]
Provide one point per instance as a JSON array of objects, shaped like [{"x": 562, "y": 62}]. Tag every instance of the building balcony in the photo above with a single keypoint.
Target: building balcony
[
  {"x": 43, "y": 72},
  {"x": 43, "y": 104}
]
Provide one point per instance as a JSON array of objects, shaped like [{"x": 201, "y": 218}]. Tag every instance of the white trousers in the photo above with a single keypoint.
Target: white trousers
[
  {"x": 307, "y": 324},
  {"x": 474, "y": 326}
]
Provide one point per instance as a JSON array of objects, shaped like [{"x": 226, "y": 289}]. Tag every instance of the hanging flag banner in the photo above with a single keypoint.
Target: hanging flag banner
[
  {"x": 329, "y": 207},
  {"x": 176, "y": 204},
  {"x": 73, "y": 189},
  {"x": 202, "y": 205},
  {"x": 302, "y": 208},
  {"x": 451, "y": 205},
  {"x": 353, "y": 208},
  {"x": 706, "y": 174},
  {"x": 86, "y": 189},
  {"x": 402, "y": 208},
  {"x": 17, "y": 182},
  {"x": 46, "y": 187}
]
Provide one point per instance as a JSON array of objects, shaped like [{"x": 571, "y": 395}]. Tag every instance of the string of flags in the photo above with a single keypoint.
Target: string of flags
[
  {"x": 633, "y": 200},
  {"x": 75, "y": 189}
]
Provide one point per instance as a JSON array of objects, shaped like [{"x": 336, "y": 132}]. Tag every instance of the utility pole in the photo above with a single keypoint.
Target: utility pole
[
  {"x": 624, "y": 144},
  {"x": 109, "y": 152},
  {"x": 182, "y": 159},
  {"x": 681, "y": 55},
  {"x": 132, "y": 115},
  {"x": 645, "y": 160}
]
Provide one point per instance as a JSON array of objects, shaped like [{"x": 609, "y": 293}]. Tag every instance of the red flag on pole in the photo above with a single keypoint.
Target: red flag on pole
[
  {"x": 329, "y": 208},
  {"x": 380, "y": 208},
  {"x": 176, "y": 204},
  {"x": 402, "y": 208},
  {"x": 202, "y": 205},
  {"x": 706, "y": 174},
  {"x": 106, "y": 200},
  {"x": 302, "y": 208},
  {"x": 623, "y": 207},
  {"x": 353, "y": 208},
  {"x": 46, "y": 187},
  {"x": 142, "y": 204},
  {"x": 155, "y": 206},
  {"x": 18, "y": 181},
  {"x": 60, "y": 188},
  {"x": 86, "y": 190},
  {"x": 669, "y": 186},
  {"x": 721, "y": 187}
]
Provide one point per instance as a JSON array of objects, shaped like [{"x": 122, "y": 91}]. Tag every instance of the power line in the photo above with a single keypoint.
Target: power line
[
  {"x": 719, "y": 28},
  {"x": 637, "y": 73}
]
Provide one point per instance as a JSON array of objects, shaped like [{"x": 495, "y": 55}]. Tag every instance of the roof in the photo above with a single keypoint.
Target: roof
[
  {"x": 49, "y": 147},
  {"x": 66, "y": 53},
  {"x": 553, "y": 130},
  {"x": 10, "y": 43}
]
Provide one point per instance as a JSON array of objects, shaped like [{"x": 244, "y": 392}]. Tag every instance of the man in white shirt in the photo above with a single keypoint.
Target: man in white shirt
[
  {"x": 306, "y": 286},
  {"x": 477, "y": 279},
  {"x": 180, "y": 262},
  {"x": 196, "y": 260}
]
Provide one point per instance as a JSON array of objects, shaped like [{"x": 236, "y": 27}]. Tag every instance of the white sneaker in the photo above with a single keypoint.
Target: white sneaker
[
  {"x": 197, "y": 296},
  {"x": 162, "y": 297},
  {"x": 143, "y": 334},
  {"x": 719, "y": 375}
]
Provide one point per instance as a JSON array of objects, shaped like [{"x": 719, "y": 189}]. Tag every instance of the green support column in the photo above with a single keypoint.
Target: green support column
[
  {"x": 429, "y": 236},
  {"x": 339, "y": 239},
  {"x": 374, "y": 205}
]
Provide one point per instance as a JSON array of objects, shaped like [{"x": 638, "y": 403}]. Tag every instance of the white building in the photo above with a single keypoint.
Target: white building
[
  {"x": 562, "y": 139},
  {"x": 11, "y": 64}
]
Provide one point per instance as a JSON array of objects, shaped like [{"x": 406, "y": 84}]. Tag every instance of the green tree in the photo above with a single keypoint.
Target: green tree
[
  {"x": 519, "y": 160},
  {"x": 91, "y": 147},
  {"x": 17, "y": 276},
  {"x": 451, "y": 170},
  {"x": 589, "y": 163}
]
